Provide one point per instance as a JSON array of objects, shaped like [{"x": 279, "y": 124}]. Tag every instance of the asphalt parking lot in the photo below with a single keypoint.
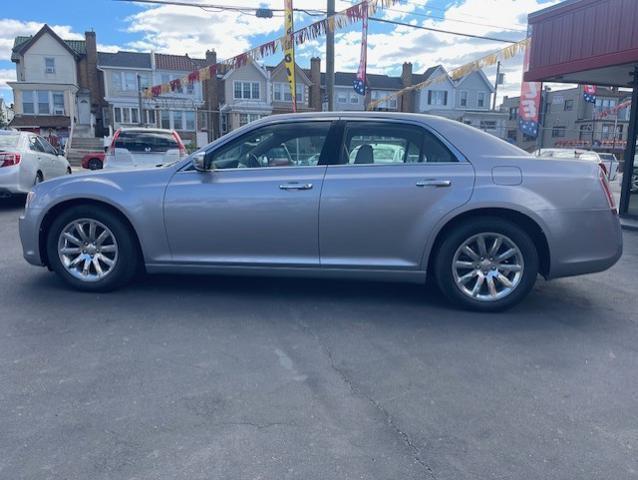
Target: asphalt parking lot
[{"x": 258, "y": 378}]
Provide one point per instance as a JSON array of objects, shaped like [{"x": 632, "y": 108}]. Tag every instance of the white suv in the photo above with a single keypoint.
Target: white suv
[{"x": 143, "y": 148}]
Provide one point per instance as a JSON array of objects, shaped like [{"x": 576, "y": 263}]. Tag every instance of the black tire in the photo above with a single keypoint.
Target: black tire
[
  {"x": 69, "y": 171},
  {"x": 444, "y": 258},
  {"x": 95, "y": 164},
  {"x": 128, "y": 260}
]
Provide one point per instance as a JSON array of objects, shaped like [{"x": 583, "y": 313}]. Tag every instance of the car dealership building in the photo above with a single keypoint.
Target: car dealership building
[{"x": 591, "y": 42}]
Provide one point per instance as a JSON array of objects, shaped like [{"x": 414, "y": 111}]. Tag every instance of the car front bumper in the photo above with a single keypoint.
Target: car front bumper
[{"x": 29, "y": 227}]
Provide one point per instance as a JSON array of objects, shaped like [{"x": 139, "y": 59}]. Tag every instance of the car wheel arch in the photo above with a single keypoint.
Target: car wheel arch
[
  {"x": 526, "y": 222},
  {"x": 56, "y": 209}
]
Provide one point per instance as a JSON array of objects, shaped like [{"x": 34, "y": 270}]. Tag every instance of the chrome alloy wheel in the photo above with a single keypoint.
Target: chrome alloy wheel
[
  {"x": 487, "y": 267},
  {"x": 87, "y": 249}
]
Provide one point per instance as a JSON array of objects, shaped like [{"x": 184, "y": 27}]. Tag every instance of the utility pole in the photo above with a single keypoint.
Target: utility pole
[
  {"x": 139, "y": 100},
  {"x": 330, "y": 58},
  {"x": 496, "y": 83},
  {"x": 630, "y": 150}
]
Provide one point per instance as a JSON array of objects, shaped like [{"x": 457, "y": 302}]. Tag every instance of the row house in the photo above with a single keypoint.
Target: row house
[
  {"x": 56, "y": 88},
  {"x": 568, "y": 121},
  {"x": 254, "y": 91},
  {"x": 125, "y": 74}
]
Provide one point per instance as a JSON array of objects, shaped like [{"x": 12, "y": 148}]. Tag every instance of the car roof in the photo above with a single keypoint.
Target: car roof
[{"x": 145, "y": 129}]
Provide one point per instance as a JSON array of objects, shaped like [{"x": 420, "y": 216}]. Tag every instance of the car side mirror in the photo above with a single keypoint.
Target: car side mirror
[{"x": 202, "y": 162}]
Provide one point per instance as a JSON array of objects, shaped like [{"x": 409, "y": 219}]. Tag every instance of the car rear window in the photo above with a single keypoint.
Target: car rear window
[
  {"x": 146, "y": 142},
  {"x": 9, "y": 141}
]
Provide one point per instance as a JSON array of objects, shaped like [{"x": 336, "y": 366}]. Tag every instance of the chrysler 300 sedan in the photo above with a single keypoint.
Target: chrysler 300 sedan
[{"x": 286, "y": 196}]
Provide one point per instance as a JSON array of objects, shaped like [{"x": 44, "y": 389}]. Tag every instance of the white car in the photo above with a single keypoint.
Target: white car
[
  {"x": 27, "y": 159},
  {"x": 608, "y": 160},
  {"x": 143, "y": 148}
]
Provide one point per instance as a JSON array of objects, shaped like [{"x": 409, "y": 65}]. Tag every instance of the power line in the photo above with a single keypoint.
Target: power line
[
  {"x": 444, "y": 10},
  {"x": 448, "y": 32}
]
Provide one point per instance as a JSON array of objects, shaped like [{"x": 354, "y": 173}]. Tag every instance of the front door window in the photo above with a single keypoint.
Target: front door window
[{"x": 287, "y": 145}]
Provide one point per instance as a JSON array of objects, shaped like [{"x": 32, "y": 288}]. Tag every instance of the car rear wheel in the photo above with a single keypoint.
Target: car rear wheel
[
  {"x": 92, "y": 249},
  {"x": 95, "y": 164},
  {"x": 486, "y": 264}
]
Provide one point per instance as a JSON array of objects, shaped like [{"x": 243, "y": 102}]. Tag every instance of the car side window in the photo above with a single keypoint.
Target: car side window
[
  {"x": 35, "y": 145},
  {"x": 379, "y": 143},
  {"x": 48, "y": 148},
  {"x": 298, "y": 144}
]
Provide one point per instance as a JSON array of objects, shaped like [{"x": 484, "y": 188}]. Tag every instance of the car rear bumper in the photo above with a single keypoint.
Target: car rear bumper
[
  {"x": 11, "y": 181},
  {"x": 583, "y": 242},
  {"x": 29, "y": 227}
]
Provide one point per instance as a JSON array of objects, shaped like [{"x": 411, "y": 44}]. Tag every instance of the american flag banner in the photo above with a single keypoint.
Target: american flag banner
[
  {"x": 529, "y": 106},
  {"x": 589, "y": 93},
  {"x": 359, "y": 83}
]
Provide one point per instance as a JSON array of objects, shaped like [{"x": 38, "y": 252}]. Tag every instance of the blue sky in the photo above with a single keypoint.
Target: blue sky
[{"x": 179, "y": 30}]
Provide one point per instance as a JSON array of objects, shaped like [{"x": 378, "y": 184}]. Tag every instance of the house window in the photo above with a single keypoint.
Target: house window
[
  {"x": 569, "y": 105},
  {"x": 130, "y": 81},
  {"x": 487, "y": 125},
  {"x": 513, "y": 113},
  {"x": 49, "y": 65},
  {"x": 116, "y": 80},
  {"x": 437, "y": 97},
  {"x": 118, "y": 114},
  {"x": 243, "y": 119},
  {"x": 126, "y": 115},
  {"x": 190, "y": 120},
  {"x": 481, "y": 99},
  {"x": 27, "y": 102},
  {"x": 282, "y": 90},
  {"x": 354, "y": 98},
  {"x": 165, "y": 119},
  {"x": 511, "y": 135},
  {"x": 150, "y": 117},
  {"x": 135, "y": 115},
  {"x": 223, "y": 124},
  {"x": 246, "y": 90},
  {"x": 190, "y": 88},
  {"x": 178, "y": 120},
  {"x": 559, "y": 131},
  {"x": 43, "y": 102},
  {"x": 584, "y": 132},
  {"x": 463, "y": 101},
  {"x": 342, "y": 97},
  {"x": 58, "y": 103},
  {"x": 390, "y": 104}
]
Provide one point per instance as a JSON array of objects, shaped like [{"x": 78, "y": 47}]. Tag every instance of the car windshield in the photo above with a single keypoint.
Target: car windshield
[
  {"x": 606, "y": 156},
  {"x": 9, "y": 141},
  {"x": 146, "y": 141}
]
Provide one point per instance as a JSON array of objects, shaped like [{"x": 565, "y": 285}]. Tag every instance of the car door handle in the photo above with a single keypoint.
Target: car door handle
[
  {"x": 432, "y": 182},
  {"x": 295, "y": 186}
]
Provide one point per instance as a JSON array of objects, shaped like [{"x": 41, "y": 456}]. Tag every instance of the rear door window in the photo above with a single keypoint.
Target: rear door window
[
  {"x": 378, "y": 143},
  {"x": 146, "y": 142}
]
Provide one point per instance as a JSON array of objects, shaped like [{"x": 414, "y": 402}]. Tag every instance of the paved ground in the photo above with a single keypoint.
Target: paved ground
[{"x": 219, "y": 378}]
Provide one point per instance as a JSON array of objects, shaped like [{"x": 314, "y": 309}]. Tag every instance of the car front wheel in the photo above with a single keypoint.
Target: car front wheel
[
  {"x": 92, "y": 249},
  {"x": 486, "y": 264}
]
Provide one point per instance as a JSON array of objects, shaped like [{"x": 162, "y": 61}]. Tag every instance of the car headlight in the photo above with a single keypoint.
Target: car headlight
[{"x": 30, "y": 198}]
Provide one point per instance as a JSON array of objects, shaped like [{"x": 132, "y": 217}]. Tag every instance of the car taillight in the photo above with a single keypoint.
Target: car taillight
[
  {"x": 606, "y": 188},
  {"x": 8, "y": 159},
  {"x": 182, "y": 148}
]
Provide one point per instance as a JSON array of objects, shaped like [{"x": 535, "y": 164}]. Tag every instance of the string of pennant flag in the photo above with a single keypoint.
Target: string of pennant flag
[
  {"x": 332, "y": 23},
  {"x": 459, "y": 72}
]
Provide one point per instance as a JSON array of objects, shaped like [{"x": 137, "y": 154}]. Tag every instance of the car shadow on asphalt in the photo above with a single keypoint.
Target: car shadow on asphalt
[
  {"x": 14, "y": 202},
  {"x": 549, "y": 306}
]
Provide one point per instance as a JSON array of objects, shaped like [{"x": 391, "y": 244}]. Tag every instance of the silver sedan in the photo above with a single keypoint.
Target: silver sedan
[{"x": 319, "y": 195}]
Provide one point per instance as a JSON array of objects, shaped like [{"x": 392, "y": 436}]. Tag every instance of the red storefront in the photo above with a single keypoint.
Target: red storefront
[{"x": 591, "y": 42}]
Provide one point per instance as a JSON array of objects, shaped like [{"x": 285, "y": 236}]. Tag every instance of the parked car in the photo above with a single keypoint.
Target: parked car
[
  {"x": 634, "y": 181},
  {"x": 478, "y": 214},
  {"x": 27, "y": 159},
  {"x": 608, "y": 160},
  {"x": 143, "y": 148},
  {"x": 93, "y": 161}
]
